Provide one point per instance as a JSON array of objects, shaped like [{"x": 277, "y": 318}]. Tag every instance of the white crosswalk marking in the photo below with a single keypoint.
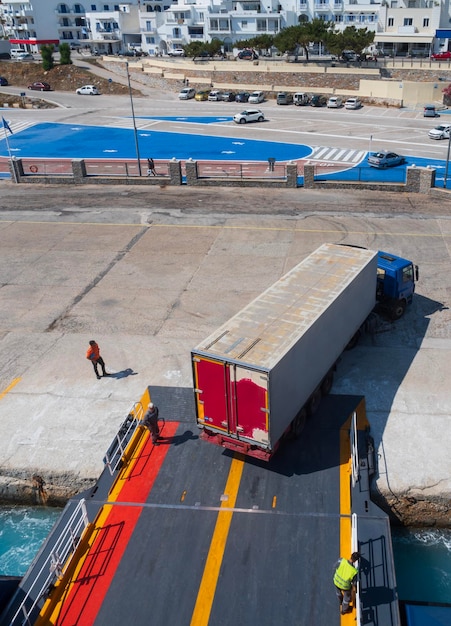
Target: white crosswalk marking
[
  {"x": 16, "y": 127},
  {"x": 336, "y": 154}
]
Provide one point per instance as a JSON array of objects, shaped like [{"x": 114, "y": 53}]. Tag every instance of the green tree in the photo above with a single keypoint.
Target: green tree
[
  {"x": 65, "y": 54},
  {"x": 351, "y": 38},
  {"x": 301, "y": 36},
  {"x": 47, "y": 56}
]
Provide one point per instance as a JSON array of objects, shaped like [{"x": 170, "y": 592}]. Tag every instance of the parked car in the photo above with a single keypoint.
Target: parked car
[
  {"x": 176, "y": 52},
  {"x": 215, "y": 96},
  {"x": 353, "y": 103},
  {"x": 301, "y": 99},
  {"x": 39, "y": 86},
  {"x": 187, "y": 93},
  {"x": 334, "y": 102},
  {"x": 248, "y": 54},
  {"x": 243, "y": 96},
  {"x": 3, "y": 81},
  {"x": 228, "y": 96},
  {"x": 349, "y": 56},
  {"x": 256, "y": 97},
  {"x": 430, "y": 110},
  {"x": 201, "y": 95},
  {"x": 441, "y": 56},
  {"x": 440, "y": 132},
  {"x": 250, "y": 115},
  {"x": 88, "y": 90},
  {"x": 284, "y": 98},
  {"x": 318, "y": 100},
  {"x": 75, "y": 45},
  {"x": 23, "y": 56},
  {"x": 384, "y": 159}
]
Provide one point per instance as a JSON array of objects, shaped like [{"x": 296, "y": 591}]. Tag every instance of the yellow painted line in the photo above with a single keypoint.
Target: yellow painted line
[
  {"x": 207, "y": 588},
  {"x": 9, "y": 387}
]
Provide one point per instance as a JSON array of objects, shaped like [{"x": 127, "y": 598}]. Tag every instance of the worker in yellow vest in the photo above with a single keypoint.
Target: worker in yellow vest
[{"x": 345, "y": 578}]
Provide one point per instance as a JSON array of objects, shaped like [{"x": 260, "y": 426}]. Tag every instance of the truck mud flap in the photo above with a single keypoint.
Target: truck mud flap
[{"x": 236, "y": 445}]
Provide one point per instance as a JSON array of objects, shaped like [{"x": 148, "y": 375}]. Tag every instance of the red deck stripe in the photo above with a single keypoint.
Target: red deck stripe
[{"x": 89, "y": 590}]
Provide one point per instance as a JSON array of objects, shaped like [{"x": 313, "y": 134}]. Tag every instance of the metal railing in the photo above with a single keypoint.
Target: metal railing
[
  {"x": 114, "y": 454},
  {"x": 354, "y": 451},
  {"x": 55, "y": 565},
  {"x": 223, "y": 169},
  {"x": 355, "y": 548}
]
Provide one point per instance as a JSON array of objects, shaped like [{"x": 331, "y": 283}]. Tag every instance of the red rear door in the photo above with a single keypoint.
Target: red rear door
[
  {"x": 212, "y": 382},
  {"x": 251, "y": 404}
]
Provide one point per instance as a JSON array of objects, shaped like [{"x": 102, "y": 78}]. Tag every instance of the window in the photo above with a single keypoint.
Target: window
[
  {"x": 425, "y": 22},
  {"x": 201, "y": 17},
  {"x": 116, "y": 7},
  {"x": 148, "y": 25},
  {"x": 150, "y": 39},
  {"x": 176, "y": 33},
  {"x": 261, "y": 26},
  {"x": 391, "y": 21},
  {"x": 106, "y": 7},
  {"x": 339, "y": 18},
  {"x": 243, "y": 23},
  {"x": 408, "y": 21},
  {"x": 93, "y": 7}
]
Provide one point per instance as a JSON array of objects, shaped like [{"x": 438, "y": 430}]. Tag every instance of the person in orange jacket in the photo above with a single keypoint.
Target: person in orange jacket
[{"x": 93, "y": 355}]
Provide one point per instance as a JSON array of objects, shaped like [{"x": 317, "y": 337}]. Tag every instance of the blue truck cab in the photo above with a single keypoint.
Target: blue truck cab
[{"x": 396, "y": 279}]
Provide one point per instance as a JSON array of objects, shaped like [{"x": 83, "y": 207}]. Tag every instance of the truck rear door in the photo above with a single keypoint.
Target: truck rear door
[{"x": 231, "y": 398}]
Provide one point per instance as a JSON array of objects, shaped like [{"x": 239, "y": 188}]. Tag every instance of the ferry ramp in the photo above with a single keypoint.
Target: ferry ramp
[{"x": 190, "y": 534}]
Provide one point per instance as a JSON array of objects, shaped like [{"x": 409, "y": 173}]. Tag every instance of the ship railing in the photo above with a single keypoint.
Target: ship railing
[
  {"x": 355, "y": 547},
  {"x": 55, "y": 565},
  {"x": 354, "y": 450},
  {"x": 115, "y": 453}
]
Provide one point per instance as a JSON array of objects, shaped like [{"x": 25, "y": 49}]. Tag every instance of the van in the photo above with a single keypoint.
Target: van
[
  {"x": 284, "y": 98},
  {"x": 256, "y": 97},
  {"x": 430, "y": 111},
  {"x": 318, "y": 100},
  {"x": 15, "y": 52},
  {"x": 301, "y": 99}
]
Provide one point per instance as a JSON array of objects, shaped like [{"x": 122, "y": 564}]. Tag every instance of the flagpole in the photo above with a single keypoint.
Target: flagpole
[{"x": 10, "y": 156}]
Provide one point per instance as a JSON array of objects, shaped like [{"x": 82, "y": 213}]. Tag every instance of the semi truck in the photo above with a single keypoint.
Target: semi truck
[{"x": 261, "y": 374}]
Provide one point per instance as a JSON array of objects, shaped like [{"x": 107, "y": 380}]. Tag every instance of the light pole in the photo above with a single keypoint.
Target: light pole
[
  {"x": 447, "y": 160},
  {"x": 134, "y": 121}
]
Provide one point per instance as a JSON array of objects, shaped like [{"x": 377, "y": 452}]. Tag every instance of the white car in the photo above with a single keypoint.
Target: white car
[
  {"x": 176, "y": 52},
  {"x": 23, "y": 56},
  {"x": 250, "y": 115},
  {"x": 215, "y": 96},
  {"x": 88, "y": 90},
  {"x": 256, "y": 97},
  {"x": 187, "y": 93},
  {"x": 353, "y": 103},
  {"x": 334, "y": 102},
  {"x": 440, "y": 132}
]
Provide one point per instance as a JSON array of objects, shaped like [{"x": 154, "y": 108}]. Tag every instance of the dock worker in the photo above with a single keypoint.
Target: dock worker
[
  {"x": 93, "y": 355},
  {"x": 345, "y": 579},
  {"x": 150, "y": 421}
]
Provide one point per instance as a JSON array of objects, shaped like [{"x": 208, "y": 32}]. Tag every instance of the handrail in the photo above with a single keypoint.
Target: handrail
[
  {"x": 56, "y": 562},
  {"x": 354, "y": 450},
  {"x": 114, "y": 454},
  {"x": 355, "y": 547}
]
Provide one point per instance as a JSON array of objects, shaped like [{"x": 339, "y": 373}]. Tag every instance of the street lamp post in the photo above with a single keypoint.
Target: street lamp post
[
  {"x": 134, "y": 121},
  {"x": 447, "y": 161}
]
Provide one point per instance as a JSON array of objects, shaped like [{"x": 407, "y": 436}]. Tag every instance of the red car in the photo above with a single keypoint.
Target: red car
[
  {"x": 441, "y": 55},
  {"x": 40, "y": 86}
]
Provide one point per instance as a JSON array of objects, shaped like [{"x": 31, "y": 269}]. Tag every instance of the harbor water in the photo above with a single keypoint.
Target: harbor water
[
  {"x": 422, "y": 556},
  {"x": 22, "y": 531}
]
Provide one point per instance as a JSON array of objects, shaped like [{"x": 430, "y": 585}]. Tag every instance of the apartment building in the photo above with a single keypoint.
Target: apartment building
[{"x": 401, "y": 27}]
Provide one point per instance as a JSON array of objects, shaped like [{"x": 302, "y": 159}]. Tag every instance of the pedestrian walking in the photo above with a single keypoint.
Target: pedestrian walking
[
  {"x": 150, "y": 421},
  {"x": 345, "y": 578},
  {"x": 151, "y": 167},
  {"x": 93, "y": 355}
]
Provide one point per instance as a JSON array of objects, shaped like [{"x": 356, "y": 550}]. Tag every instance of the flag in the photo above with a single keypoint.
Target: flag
[{"x": 6, "y": 125}]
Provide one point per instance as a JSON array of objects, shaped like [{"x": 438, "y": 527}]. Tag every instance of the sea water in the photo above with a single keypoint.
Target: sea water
[
  {"x": 22, "y": 532},
  {"x": 423, "y": 564}
]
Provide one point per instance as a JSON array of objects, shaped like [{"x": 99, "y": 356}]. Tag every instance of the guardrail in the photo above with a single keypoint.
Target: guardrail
[
  {"x": 355, "y": 548},
  {"x": 354, "y": 451},
  {"x": 114, "y": 455},
  {"x": 54, "y": 565}
]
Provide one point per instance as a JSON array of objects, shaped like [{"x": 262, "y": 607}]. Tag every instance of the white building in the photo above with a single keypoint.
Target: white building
[{"x": 401, "y": 27}]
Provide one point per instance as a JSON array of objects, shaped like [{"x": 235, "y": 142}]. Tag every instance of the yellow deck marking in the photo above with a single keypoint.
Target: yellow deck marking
[
  {"x": 207, "y": 588},
  {"x": 9, "y": 387},
  {"x": 345, "y": 492}
]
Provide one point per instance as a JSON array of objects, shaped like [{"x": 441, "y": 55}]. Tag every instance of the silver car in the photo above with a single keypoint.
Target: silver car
[
  {"x": 250, "y": 115},
  {"x": 383, "y": 159}
]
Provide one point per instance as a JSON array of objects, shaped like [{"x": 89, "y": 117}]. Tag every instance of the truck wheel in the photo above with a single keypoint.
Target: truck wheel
[
  {"x": 398, "y": 310},
  {"x": 299, "y": 423},
  {"x": 314, "y": 402},
  {"x": 327, "y": 383}
]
